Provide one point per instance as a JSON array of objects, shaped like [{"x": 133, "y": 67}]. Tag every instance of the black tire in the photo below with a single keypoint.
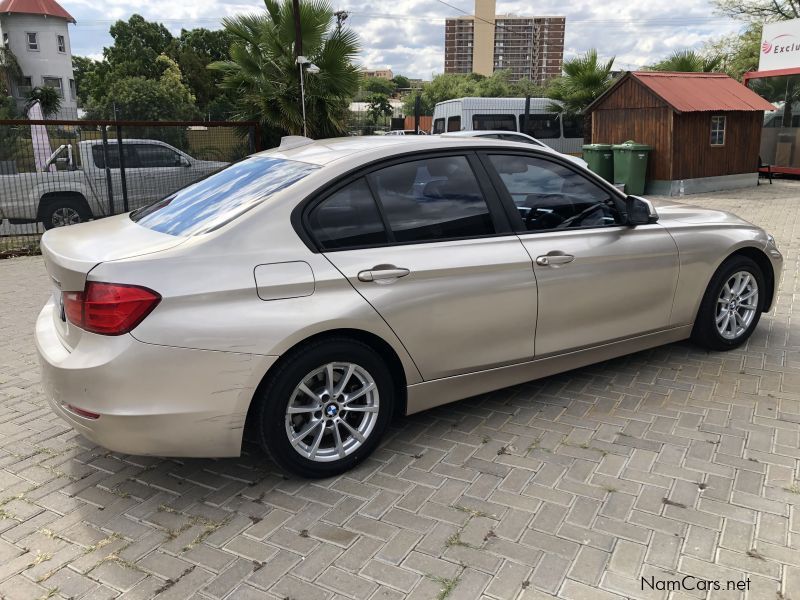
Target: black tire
[
  {"x": 273, "y": 397},
  {"x": 705, "y": 331},
  {"x": 52, "y": 207}
]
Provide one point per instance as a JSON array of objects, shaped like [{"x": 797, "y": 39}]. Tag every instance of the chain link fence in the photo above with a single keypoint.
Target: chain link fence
[{"x": 55, "y": 173}]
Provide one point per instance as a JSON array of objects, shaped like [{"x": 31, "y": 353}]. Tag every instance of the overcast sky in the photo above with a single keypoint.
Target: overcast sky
[{"x": 408, "y": 35}]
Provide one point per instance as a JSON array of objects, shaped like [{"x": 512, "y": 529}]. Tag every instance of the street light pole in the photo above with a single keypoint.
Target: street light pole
[{"x": 302, "y": 94}]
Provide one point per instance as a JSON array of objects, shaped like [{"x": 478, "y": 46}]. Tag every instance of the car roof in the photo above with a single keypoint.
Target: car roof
[
  {"x": 323, "y": 152},
  {"x": 480, "y": 132}
]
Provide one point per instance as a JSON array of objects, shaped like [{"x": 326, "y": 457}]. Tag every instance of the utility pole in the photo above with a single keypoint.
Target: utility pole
[
  {"x": 341, "y": 17},
  {"x": 298, "y": 32}
]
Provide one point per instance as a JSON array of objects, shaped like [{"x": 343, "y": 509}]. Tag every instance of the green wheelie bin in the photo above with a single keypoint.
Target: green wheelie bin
[
  {"x": 630, "y": 165},
  {"x": 600, "y": 158}
]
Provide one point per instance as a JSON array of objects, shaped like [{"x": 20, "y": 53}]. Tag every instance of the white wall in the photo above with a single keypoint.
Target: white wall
[{"x": 48, "y": 61}]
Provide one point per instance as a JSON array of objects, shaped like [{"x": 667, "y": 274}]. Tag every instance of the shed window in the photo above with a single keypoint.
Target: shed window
[{"x": 718, "y": 131}]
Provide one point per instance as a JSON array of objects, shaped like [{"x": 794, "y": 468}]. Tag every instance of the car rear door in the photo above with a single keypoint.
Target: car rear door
[
  {"x": 426, "y": 243},
  {"x": 598, "y": 280}
]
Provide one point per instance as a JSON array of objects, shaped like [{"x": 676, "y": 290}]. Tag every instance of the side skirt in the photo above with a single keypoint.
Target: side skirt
[{"x": 428, "y": 394}]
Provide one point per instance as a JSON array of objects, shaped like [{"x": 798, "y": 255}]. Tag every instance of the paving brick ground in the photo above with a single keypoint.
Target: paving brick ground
[{"x": 665, "y": 463}]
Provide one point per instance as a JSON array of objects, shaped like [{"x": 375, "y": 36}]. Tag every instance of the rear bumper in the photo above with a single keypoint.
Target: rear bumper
[{"x": 152, "y": 400}]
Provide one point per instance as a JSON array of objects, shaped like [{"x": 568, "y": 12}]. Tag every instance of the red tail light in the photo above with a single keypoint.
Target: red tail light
[{"x": 109, "y": 308}]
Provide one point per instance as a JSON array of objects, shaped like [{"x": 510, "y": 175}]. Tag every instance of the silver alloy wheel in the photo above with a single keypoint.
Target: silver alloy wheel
[
  {"x": 332, "y": 411},
  {"x": 736, "y": 305},
  {"x": 66, "y": 215}
]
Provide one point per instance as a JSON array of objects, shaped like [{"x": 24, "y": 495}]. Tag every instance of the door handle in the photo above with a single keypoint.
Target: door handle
[
  {"x": 383, "y": 273},
  {"x": 554, "y": 259}
]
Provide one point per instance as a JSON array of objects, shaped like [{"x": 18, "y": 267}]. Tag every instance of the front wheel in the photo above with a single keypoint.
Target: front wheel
[
  {"x": 732, "y": 305},
  {"x": 325, "y": 408}
]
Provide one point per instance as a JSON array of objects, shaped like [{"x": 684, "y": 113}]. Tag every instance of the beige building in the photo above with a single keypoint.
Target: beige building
[
  {"x": 530, "y": 47},
  {"x": 379, "y": 73}
]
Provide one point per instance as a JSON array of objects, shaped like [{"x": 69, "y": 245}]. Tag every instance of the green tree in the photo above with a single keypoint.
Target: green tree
[
  {"x": 740, "y": 52},
  {"x": 9, "y": 71},
  {"x": 86, "y": 75},
  {"x": 402, "y": 82},
  {"x": 378, "y": 85},
  {"x": 194, "y": 50},
  {"x": 48, "y": 98},
  {"x": 137, "y": 45},
  {"x": 265, "y": 77},
  {"x": 379, "y": 107},
  {"x": 165, "y": 97},
  {"x": 689, "y": 61}
]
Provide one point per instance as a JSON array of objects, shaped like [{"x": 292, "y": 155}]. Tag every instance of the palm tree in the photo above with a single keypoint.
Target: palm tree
[
  {"x": 264, "y": 76},
  {"x": 689, "y": 61},
  {"x": 48, "y": 98},
  {"x": 585, "y": 78}
]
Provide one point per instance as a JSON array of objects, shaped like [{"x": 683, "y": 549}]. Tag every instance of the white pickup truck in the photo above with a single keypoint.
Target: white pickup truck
[{"x": 74, "y": 194}]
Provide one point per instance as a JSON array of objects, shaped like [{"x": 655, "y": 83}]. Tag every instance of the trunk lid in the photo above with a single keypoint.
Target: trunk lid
[{"x": 70, "y": 253}]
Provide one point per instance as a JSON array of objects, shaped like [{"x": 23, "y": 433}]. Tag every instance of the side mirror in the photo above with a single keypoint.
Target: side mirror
[
  {"x": 640, "y": 211},
  {"x": 184, "y": 162}
]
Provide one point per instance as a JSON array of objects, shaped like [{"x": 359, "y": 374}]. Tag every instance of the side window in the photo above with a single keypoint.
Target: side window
[
  {"x": 432, "y": 199},
  {"x": 494, "y": 122},
  {"x": 718, "y": 131},
  {"x": 131, "y": 160},
  {"x": 348, "y": 218},
  {"x": 541, "y": 126},
  {"x": 153, "y": 156},
  {"x": 454, "y": 123},
  {"x": 551, "y": 196},
  {"x": 438, "y": 126},
  {"x": 573, "y": 126}
]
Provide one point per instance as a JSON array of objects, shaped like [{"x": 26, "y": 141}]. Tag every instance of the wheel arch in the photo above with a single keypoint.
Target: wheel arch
[
  {"x": 49, "y": 198},
  {"x": 762, "y": 260},
  {"x": 383, "y": 348}
]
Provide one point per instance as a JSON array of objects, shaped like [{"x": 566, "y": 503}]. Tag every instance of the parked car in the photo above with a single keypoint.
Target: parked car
[
  {"x": 75, "y": 194},
  {"x": 406, "y": 132},
  {"x": 316, "y": 290},
  {"x": 513, "y": 136}
]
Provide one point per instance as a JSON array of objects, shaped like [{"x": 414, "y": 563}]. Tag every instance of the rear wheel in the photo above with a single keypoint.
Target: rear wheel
[
  {"x": 325, "y": 408},
  {"x": 732, "y": 305},
  {"x": 61, "y": 212}
]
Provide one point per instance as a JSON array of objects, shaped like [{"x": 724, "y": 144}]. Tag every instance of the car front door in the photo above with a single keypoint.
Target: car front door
[
  {"x": 598, "y": 279},
  {"x": 430, "y": 248},
  {"x": 100, "y": 178}
]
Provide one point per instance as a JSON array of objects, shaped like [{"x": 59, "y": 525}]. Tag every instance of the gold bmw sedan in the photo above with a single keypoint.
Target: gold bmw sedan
[{"x": 315, "y": 290}]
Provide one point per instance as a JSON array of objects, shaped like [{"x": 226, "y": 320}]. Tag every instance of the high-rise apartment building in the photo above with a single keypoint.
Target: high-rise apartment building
[{"x": 530, "y": 47}]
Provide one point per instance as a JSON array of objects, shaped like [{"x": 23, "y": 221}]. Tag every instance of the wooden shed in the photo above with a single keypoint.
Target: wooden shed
[{"x": 705, "y": 128}]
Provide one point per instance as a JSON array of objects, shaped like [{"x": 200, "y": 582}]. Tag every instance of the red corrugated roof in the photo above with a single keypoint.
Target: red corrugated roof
[
  {"x": 699, "y": 92},
  {"x": 50, "y": 8}
]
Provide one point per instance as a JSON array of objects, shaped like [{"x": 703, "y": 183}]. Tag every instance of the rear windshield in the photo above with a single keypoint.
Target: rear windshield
[{"x": 220, "y": 198}]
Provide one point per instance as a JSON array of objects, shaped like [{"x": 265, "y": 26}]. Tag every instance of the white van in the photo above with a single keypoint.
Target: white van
[{"x": 562, "y": 133}]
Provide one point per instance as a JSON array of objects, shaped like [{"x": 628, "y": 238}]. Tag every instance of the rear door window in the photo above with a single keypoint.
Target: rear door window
[
  {"x": 573, "y": 126},
  {"x": 99, "y": 156},
  {"x": 438, "y": 126},
  {"x": 220, "y": 198},
  {"x": 153, "y": 156},
  {"x": 454, "y": 123},
  {"x": 432, "y": 199}
]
